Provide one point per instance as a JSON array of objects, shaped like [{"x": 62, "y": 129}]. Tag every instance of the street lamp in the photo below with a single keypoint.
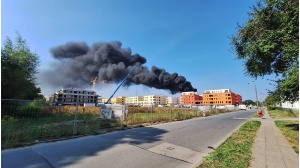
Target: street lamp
[{"x": 255, "y": 94}]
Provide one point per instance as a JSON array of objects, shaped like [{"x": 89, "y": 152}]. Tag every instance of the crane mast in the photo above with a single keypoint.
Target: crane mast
[
  {"x": 120, "y": 85},
  {"x": 94, "y": 80}
]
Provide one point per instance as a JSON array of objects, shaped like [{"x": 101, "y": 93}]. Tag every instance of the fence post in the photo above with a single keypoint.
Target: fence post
[
  {"x": 170, "y": 113},
  {"x": 184, "y": 112},
  {"x": 75, "y": 119},
  {"x": 151, "y": 113},
  {"x": 123, "y": 115}
]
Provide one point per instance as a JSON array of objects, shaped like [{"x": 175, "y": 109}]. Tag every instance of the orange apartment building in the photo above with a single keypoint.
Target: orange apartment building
[
  {"x": 219, "y": 97},
  {"x": 238, "y": 99},
  {"x": 190, "y": 99}
]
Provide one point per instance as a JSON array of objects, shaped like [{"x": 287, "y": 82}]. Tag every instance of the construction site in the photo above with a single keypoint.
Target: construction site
[{"x": 76, "y": 96}]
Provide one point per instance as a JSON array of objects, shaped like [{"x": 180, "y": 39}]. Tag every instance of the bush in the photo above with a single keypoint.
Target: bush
[
  {"x": 34, "y": 109},
  {"x": 7, "y": 118},
  {"x": 271, "y": 107}
]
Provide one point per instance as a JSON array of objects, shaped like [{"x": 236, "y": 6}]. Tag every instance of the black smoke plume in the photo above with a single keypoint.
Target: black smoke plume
[{"x": 109, "y": 62}]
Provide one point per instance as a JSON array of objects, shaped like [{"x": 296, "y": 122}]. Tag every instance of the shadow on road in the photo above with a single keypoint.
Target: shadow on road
[{"x": 70, "y": 152}]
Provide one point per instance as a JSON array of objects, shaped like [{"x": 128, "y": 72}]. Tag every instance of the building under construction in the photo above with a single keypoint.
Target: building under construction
[{"x": 72, "y": 96}]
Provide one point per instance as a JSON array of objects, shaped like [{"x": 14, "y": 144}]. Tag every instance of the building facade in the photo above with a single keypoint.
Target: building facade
[
  {"x": 238, "y": 99},
  {"x": 104, "y": 100},
  {"x": 169, "y": 101},
  {"x": 154, "y": 100},
  {"x": 172, "y": 101},
  {"x": 291, "y": 105},
  {"x": 219, "y": 97},
  {"x": 118, "y": 100},
  {"x": 134, "y": 100},
  {"x": 190, "y": 99},
  {"x": 73, "y": 96},
  {"x": 176, "y": 100}
]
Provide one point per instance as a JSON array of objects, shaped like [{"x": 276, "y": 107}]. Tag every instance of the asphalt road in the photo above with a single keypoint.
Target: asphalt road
[{"x": 176, "y": 144}]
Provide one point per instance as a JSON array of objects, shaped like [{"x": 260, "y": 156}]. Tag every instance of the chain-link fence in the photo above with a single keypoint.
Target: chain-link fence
[{"x": 26, "y": 122}]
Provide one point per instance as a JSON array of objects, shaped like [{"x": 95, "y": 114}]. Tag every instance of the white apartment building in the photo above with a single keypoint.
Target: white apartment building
[
  {"x": 217, "y": 91},
  {"x": 134, "y": 100},
  {"x": 176, "y": 100},
  {"x": 73, "y": 96},
  {"x": 171, "y": 101},
  {"x": 154, "y": 100}
]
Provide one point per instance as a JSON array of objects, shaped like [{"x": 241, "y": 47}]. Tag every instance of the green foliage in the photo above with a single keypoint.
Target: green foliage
[
  {"x": 7, "y": 118},
  {"x": 18, "y": 69},
  {"x": 272, "y": 100},
  {"x": 249, "y": 102},
  {"x": 33, "y": 109},
  {"x": 269, "y": 43},
  {"x": 288, "y": 83},
  {"x": 270, "y": 107}
]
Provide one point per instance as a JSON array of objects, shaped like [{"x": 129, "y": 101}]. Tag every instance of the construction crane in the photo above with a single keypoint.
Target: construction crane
[
  {"x": 120, "y": 84},
  {"x": 94, "y": 80}
]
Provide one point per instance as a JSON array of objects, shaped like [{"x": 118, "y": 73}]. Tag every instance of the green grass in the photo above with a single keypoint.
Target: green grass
[
  {"x": 159, "y": 117},
  {"x": 290, "y": 129},
  {"x": 236, "y": 150},
  {"x": 20, "y": 132},
  {"x": 255, "y": 115},
  {"x": 283, "y": 113}
]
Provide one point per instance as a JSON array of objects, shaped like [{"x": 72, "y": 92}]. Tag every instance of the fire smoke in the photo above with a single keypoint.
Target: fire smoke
[{"x": 78, "y": 63}]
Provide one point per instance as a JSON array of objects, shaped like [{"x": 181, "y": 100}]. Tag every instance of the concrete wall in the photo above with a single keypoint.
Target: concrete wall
[{"x": 295, "y": 105}]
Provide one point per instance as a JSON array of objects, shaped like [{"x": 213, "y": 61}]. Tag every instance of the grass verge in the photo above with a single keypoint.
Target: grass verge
[
  {"x": 236, "y": 150},
  {"x": 283, "y": 113},
  {"x": 290, "y": 129}
]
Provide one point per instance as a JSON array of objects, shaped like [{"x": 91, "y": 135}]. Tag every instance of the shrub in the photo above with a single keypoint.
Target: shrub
[
  {"x": 271, "y": 107},
  {"x": 34, "y": 109}
]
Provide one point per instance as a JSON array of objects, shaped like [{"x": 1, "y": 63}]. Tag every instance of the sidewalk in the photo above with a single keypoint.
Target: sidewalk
[{"x": 271, "y": 149}]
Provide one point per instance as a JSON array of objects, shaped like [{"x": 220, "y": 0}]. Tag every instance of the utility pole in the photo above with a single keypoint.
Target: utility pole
[{"x": 256, "y": 95}]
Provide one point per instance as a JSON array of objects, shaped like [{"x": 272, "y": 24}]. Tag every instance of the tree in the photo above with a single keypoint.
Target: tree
[
  {"x": 249, "y": 102},
  {"x": 269, "y": 44},
  {"x": 18, "y": 69},
  {"x": 271, "y": 100}
]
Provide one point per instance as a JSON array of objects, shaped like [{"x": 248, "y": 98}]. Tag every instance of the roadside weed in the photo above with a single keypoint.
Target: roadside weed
[
  {"x": 236, "y": 150},
  {"x": 290, "y": 129}
]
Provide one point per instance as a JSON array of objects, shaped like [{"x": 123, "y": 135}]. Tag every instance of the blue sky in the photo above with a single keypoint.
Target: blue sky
[{"x": 189, "y": 37}]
